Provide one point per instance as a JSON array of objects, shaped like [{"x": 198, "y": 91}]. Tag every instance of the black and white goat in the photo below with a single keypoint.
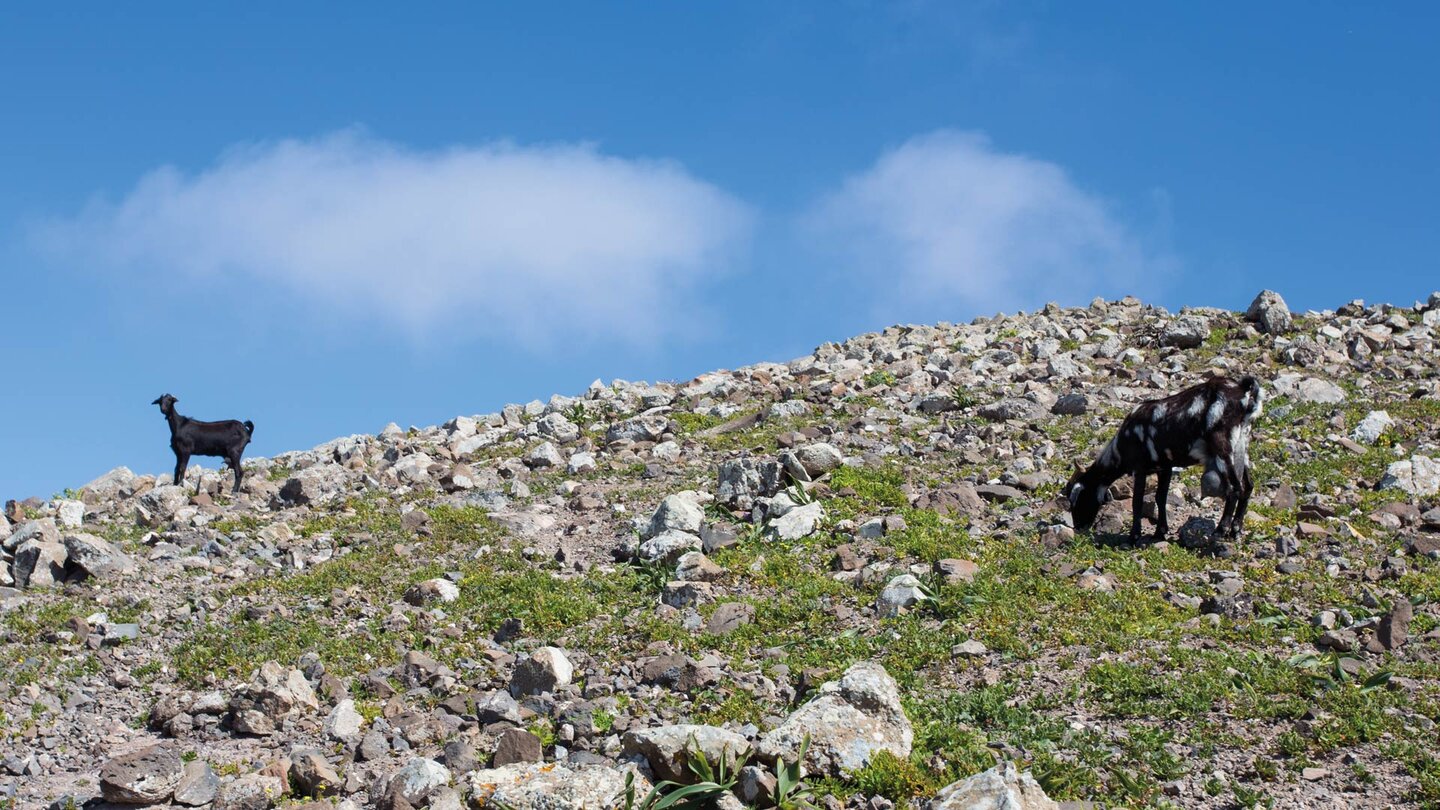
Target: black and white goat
[
  {"x": 191, "y": 437},
  {"x": 1205, "y": 424}
]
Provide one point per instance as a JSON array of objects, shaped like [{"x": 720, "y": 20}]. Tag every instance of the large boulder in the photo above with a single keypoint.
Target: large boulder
[
  {"x": 556, "y": 427},
  {"x": 1185, "y": 332},
  {"x": 418, "y": 779},
  {"x": 668, "y": 547},
  {"x": 551, "y": 786},
  {"x": 147, "y": 776},
  {"x": 414, "y": 468},
  {"x": 1417, "y": 475},
  {"x": 1003, "y": 787},
  {"x": 667, "y": 748},
  {"x": 111, "y": 486},
  {"x": 742, "y": 480},
  {"x": 314, "y": 485},
  {"x": 1269, "y": 313},
  {"x": 271, "y": 696},
  {"x": 1309, "y": 389},
  {"x": 95, "y": 555},
  {"x": 546, "y": 669},
  {"x": 797, "y": 523},
  {"x": 39, "y": 563},
  {"x": 254, "y": 791},
  {"x": 848, "y": 723},
  {"x": 679, "y": 512},
  {"x": 819, "y": 458},
  {"x": 161, "y": 503},
  {"x": 43, "y": 530}
]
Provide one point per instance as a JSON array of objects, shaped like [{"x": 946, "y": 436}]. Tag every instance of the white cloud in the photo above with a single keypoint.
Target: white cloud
[
  {"x": 946, "y": 225},
  {"x": 490, "y": 240}
]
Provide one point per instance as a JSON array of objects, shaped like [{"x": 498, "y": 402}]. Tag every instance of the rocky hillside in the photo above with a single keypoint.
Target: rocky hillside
[{"x": 859, "y": 560}]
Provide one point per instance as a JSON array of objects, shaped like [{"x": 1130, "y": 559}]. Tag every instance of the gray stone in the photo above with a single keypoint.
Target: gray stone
[
  {"x": 555, "y": 426},
  {"x": 271, "y": 695},
  {"x": 1309, "y": 389},
  {"x": 1071, "y": 404},
  {"x": 314, "y": 485},
  {"x": 550, "y": 786},
  {"x": 819, "y": 458},
  {"x": 198, "y": 785},
  {"x": 256, "y": 791},
  {"x": 743, "y": 480},
  {"x": 678, "y": 512},
  {"x": 432, "y": 591},
  {"x": 39, "y": 564},
  {"x": 729, "y": 617},
  {"x": 147, "y": 776},
  {"x": 545, "y": 456},
  {"x": 70, "y": 514},
  {"x": 800, "y": 522},
  {"x": 1003, "y": 787},
  {"x": 1007, "y": 409},
  {"x": 848, "y": 722},
  {"x": 666, "y": 748},
  {"x": 543, "y": 671},
  {"x": 344, "y": 723},
  {"x": 96, "y": 556},
  {"x": 902, "y": 592},
  {"x": 1372, "y": 427},
  {"x": 1269, "y": 313},
  {"x": 668, "y": 547},
  {"x": 1417, "y": 475},
  {"x": 1394, "y": 629},
  {"x": 313, "y": 775},
  {"x": 517, "y": 745},
  {"x": 418, "y": 779},
  {"x": 1185, "y": 332},
  {"x": 414, "y": 468}
]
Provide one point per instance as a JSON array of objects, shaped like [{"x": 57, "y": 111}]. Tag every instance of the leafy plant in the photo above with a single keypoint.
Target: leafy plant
[{"x": 790, "y": 791}]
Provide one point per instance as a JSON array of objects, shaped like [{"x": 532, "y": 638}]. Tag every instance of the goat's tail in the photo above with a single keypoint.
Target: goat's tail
[
  {"x": 1251, "y": 394},
  {"x": 249, "y": 427}
]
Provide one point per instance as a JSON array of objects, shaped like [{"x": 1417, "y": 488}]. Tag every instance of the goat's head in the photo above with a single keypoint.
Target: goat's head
[
  {"x": 1086, "y": 493},
  {"x": 166, "y": 403}
]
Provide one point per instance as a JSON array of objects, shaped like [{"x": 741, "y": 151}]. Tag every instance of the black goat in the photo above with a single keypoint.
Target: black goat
[
  {"x": 191, "y": 437},
  {"x": 1205, "y": 424}
]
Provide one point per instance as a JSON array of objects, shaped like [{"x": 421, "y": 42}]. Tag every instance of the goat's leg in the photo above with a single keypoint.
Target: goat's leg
[
  {"x": 1137, "y": 506},
  {"x": 1247, "y": 485},
  {"x": 182, "y": 460},
  {"x": 1162, "y": 494},
  {"x": 235, "y": 465}
]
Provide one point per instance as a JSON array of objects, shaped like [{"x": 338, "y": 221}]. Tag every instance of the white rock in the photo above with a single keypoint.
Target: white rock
[
  {"x": 848, "y": 722},
  {"x": 419, "y": 778},
  {"x": 679, "y": 512},
  {"x": 546, "y": 669},
  {"x": 901, "y": 592},
  {"x": 668, "y": 546},
  {"x": 71, "y": 514},
  {"x": 344, "y": 722},
  {"x": 546, "y": 455},
  {"x": 798, "y": 523},
  {"x": 1372, "y": 427},
  {"x": 1417, "y": 475},
  {"x": 1003, "y": 787},
  {"x": 581, "y": 462}
]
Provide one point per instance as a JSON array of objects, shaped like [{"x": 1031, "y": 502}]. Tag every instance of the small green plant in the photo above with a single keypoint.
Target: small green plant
[
  {"x": 790, "y": 790},
  {"x": 963, "y": 398},
  {"x": 879, "y": 377}
]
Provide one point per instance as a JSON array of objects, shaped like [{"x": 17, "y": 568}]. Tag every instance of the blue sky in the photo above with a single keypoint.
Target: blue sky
[{"x": 324, "y": 218}]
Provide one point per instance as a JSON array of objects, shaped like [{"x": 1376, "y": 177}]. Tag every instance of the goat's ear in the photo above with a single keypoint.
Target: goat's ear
[
  {"x": 156, "y": 402},
  {"x": 1109, "y": 496}
]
